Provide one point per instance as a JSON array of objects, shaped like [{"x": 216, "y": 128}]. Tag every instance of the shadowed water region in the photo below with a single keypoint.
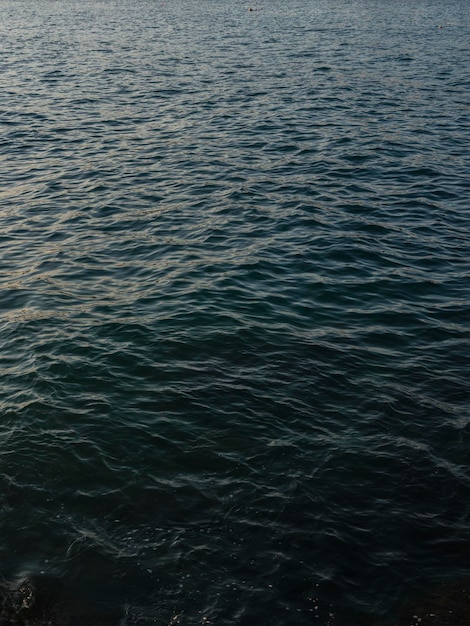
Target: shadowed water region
[{"x": 234, "y": 272}]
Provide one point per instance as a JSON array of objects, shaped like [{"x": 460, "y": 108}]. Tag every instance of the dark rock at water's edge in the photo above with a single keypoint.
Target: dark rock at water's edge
[
  {"x": 447, "y": 605},
  {"x": 41, "y": 602}
]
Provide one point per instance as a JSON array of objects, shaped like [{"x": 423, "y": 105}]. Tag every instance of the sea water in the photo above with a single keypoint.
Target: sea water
[{"x": 234, "y": 249}]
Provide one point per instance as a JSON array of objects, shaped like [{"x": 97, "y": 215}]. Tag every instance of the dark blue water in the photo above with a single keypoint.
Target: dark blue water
[{"x": 235, "y": 306}]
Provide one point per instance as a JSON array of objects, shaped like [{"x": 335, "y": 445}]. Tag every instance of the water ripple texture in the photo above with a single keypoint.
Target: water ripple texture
[{"x": 234, "y": 314}]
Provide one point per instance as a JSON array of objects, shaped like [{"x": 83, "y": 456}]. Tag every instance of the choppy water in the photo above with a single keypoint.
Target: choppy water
[{"x": 235, "y": 317}]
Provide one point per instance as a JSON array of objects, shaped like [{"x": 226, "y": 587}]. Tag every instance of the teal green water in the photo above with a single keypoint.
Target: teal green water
[{"x": 234, "y": 273}]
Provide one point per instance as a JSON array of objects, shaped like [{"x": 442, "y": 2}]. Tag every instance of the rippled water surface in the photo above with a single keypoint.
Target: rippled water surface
[{"x": 234, "y": 251}]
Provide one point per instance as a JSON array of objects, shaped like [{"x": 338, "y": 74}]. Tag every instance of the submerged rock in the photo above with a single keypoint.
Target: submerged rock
[
  {"x": 448, "y": 605},
  {"x": 17, "y": 603},
  {"x": 45, "y": 603}
]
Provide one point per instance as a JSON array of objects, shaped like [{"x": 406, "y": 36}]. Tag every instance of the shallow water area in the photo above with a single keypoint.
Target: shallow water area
[{"x": 234, "y": 263}]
